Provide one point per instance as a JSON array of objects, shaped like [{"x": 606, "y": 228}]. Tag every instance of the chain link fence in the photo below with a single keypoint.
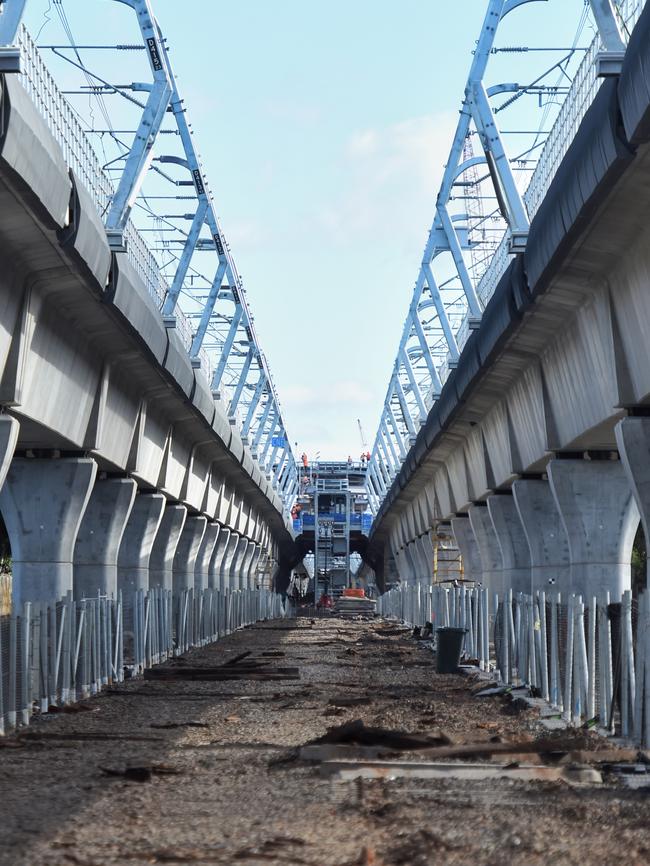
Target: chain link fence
[
  {"x": 588, "y": 660},
  {"x": 57, "y": 653}
]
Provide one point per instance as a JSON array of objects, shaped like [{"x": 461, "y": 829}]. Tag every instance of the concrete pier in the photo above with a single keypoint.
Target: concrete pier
[
  {"x": 42, "y": 502},
  {"x": 225, "y": 576},
  {"x": 137, "y": 542},
  {"x": 633, "y": 439},
  {"x": 545, "y": 534},
  {"x": 509, "y": 531},
  {"x": 161, "y": 562},
  {"x": 100, "y": 536},
  {"x": 488, "y": 546},
  {"x": 187, "y": 552},
  {"x": 466, "y": 543},
  {"x": 218, "y": 555},
  {"x": 601, "y": 518},
  {"x": 236, "y": 567},
  {"x": 204, "y": 556}
]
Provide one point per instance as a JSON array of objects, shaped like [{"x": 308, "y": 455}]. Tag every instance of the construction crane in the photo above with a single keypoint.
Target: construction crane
[{"x": 364, "y": 443}]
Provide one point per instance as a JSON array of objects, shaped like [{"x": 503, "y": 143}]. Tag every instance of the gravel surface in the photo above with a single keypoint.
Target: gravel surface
[{"x": 227, "y": 786}]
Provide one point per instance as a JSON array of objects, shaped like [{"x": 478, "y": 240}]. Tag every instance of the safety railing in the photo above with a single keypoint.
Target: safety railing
[
  {"x": 590, "y": 661},
  {"x": 58, "y": 653},
  {"x": 461, "y": 607},
  {"x": 80, "y": 155}
]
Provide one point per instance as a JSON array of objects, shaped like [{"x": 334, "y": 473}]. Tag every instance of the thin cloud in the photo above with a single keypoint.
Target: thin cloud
[{"x": 392, "y": 176}]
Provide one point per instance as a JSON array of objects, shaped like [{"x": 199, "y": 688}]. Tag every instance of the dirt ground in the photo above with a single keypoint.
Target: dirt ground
[{"x": 228, "y": 786}]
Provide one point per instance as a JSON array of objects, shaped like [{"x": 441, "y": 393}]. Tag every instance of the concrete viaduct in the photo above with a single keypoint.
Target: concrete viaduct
[
  {"x": 118, "y": 467},
  {"x": 537, "y": 451}
]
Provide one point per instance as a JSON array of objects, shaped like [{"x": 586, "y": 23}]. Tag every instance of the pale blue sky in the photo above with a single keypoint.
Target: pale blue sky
[{"x": 324, "y": 126}]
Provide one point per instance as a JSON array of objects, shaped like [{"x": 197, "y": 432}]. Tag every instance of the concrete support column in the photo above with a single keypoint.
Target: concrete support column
[
  {"x": 161, "y": 561},
  {"x": 547, "y": 540},
  {"x": 411, "y": 562},
  {"x": 401, "y": 565},
  {"x": 252, "y": 567},
  {"x": 100, "y": 535},
  {"x": 187, "y": 552},
  {"x": 633, "y": 439},
  {"x": 466, "y": 543},
  {"x": 42, "y": 503},
  {"x": 204, "y": 556},
  {"x": 137, "y": 543},
  {"x": 600, "y": 517},
  {"x": 218, "y": 554},
  {"x": 9, "y": 430},
  {"x": 246, "y": 564},
  {"x": 226, "y": 562},
  {"x": 425, "y": 547},
  {"x": 515, "y": 555},
  {"x": 236, "y": 573},
  {"x": 488, "y": 546}
]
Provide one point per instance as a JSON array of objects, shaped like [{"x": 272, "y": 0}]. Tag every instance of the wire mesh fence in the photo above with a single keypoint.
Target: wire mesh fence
[
  {"x": 53, "y": 654},
  {"x": 588, "y": 660}
]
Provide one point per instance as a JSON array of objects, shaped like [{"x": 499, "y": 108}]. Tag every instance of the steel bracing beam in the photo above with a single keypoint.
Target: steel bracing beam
[
  {"x": 608, "y": 24},
  {"x": 222, "y": 330},
  {"x": 11, "y": 13},
  {"x": 450, "y": 234},
  {"x": 141, "y": 151}
]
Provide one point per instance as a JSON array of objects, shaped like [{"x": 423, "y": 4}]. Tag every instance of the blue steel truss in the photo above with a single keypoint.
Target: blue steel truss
[
  {"x": 216, "y": 324},
  {"x": 439, "y": 321}
]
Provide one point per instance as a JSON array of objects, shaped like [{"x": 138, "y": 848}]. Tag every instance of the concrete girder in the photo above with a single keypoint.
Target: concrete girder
[
  {"x": 456, "y": 467},
  {"x": 443, "y": 492}
]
